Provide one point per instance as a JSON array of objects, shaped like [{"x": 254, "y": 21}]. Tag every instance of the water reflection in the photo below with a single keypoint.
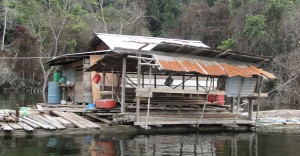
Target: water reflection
[
  {"x": 186, "y": 144},
  {"x": 219, "y": 144}
]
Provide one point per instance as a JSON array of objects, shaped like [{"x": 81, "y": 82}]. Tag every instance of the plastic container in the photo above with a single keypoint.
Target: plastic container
[
  {"x": 90, "y": 106},
  {"x": 62, "y": 80},
  {"x": 106, "y": 103},
  {"x": 219, "y": 99},
  {"x": 54, "y": 93},
  {"x": 56, "y": 76},
  {"x": 96, "y": 78}
]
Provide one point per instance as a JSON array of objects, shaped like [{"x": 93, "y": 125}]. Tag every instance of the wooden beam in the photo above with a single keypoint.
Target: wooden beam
[
  {"x": 179, "y": 91},
  {"x": 183, "y": 77},
  {"x": 250, "y": 111},
  {"x": 259, "y": 100},
  {"x": 25, "y": 126},
  {"x": 197, "y": 82},
  {"x": 123, "y": 86},
  {"x": 155, "y": 80},
  {"x": 69, "y": 118},
  {"x": 193, "y": 122}
]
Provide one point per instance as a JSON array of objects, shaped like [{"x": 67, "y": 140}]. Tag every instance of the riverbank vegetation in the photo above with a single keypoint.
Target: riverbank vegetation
[{"x": 33, "y": 31}]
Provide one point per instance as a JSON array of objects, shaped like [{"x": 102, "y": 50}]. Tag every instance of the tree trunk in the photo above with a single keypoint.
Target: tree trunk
[
  {"x": 46, "y": 76},
  {"x": 4, "y": 27}
]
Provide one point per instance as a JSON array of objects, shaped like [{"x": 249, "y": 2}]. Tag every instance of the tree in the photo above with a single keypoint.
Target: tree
[
  {"x": 165, "y": 14},
  {"x": 207, "y": 24}
]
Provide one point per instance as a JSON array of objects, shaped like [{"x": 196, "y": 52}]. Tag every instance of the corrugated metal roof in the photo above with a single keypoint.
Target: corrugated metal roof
[
  {"x": 209, "y": 66},
  {"x": 136, "y": 42}
]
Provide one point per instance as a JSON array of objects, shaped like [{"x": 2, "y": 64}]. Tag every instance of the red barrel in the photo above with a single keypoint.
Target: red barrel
[
  {"x": 219, "y": 99},
  {"x": 106, "y": 103}
]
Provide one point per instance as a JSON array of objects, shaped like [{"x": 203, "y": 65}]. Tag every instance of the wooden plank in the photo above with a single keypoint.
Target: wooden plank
[
  {"x": 83, "y": 120},
  {"x": 41, "y": 119},
  {"x": 193, "y": 122},
  {"x": 69, "y": 118},
  {"x": 63, "y": 121},
  {"x": 179, "y": 91},
  {"x": 31, "y": 124},
  {"x": 100, "y": 119},
  {"x": 78, "y": 119},
  {"x": 105, "y": 114},
  {"x": 14, "y": 126},
  {"x": 25, "y": 126},
  {"x": 45, "y": 126},
  {"x": 39, "y": 107},
  {"x": 6, "y": 127},
  {"x": 54, "y": 122}
]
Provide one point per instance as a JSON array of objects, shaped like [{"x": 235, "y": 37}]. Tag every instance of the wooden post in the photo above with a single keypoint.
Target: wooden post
[
  {"x": 206, "y": 83},
  {"x": 232, "y": 104},
  {"x": 103, "y": 80},
  {"x": 203, "y": 109},
  {"x": 183, "y": 76},
  {"x": 148, "y": 107},
  {"x": 123, "y": 86},
  {"x": 112, "y": 82},
  {"x": 259, "y": 100},
  {"x": 238, "y": 102},
  {"x": 154, "y": 80},
  {"x": 213, "y": 83},
  {"x": 143, "y": 79},
  {"x": 138, "y": 99},
  {"x": 250, "y": 110},
  {"x": 197, "y": 82}
]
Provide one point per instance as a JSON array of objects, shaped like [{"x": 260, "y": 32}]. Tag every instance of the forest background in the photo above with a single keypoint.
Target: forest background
[{"x": 33, "y": 31}]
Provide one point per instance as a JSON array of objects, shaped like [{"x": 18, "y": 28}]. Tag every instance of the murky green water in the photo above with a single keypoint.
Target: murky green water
[
  {"x": 8, "y": 100},
  {"x": 219, "y": 144}
]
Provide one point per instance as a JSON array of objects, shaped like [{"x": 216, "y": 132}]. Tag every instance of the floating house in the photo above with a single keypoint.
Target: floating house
[{"x": 161, "y": 81}]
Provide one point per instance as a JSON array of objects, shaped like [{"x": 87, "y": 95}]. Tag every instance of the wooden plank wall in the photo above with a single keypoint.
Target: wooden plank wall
[
  {"x": 78, "y": 78},
  {"x": 87, "y": 83},
  {"x": 95, "y": 89},
  {"x": 79, "y": 83}
]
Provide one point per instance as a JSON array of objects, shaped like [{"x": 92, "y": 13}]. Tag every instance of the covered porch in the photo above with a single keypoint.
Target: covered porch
[{"x": 157, "y": 88}]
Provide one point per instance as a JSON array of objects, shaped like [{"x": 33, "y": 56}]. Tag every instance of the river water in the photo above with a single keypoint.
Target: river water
[
  {"x": 217, "y": 144},
  {"x": 8, "y": 100},
  {"x": 203, "y": 144}
]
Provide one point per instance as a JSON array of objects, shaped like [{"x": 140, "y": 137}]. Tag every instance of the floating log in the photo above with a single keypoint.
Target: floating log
[{"x": 25, "y": 126}]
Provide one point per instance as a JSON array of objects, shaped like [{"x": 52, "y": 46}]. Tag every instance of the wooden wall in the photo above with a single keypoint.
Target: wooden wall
[
  {"x": 95, "y": 87},
  {"x": 87, "y": 83}
]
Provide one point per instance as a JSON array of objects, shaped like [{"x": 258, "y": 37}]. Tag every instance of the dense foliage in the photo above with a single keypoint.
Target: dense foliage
[{"x": 48, "y": 28}]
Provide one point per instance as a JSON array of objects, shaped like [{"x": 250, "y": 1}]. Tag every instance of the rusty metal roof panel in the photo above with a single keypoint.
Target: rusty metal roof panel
[{"x": 209, "y": 66}]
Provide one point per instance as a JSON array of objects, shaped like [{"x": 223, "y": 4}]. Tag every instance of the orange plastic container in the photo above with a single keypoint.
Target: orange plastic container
[{"x": 106, "y": 103}]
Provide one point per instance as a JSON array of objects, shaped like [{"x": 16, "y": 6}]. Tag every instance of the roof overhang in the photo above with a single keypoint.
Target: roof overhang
[{"x": 70, "y": 58}]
